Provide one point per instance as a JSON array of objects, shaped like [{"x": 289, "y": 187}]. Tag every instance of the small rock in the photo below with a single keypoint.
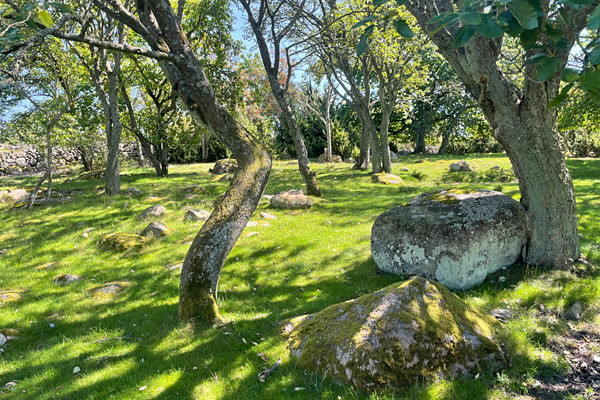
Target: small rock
[
  {"x": 110, "y": 289},
  {"x": 86, "y": 233},
  {"x": 121, "y": 241},
  {"x": 196, "y": 215},
  {"x": 495, "y": 167},
  {"x": 174, "y": 267},
  {"x": 133, "y": 191},
  {"x": 404, "y": 169},
  {"x": 250, "y": 234},
  {"x": 225, "y": 166},
  {"x": 156, "y": 229},
  {"x": 501, "y": 314},
  {"x": 502, "y": 279},
  {"x": 252, "y": 224},
  {"x": 126, "y": 204},
  {"x": 386, "y": 179},
  {"x": 292, "y": 199},
  {"x": 575, "y": 312},
  {"x": 152, "y": 211},
  {"x": 3, "y": 340},
  {"x": 143, "y": 388},
  {"x": 65, "y": 279},
  {"x": 51, "y": 325},
  {"x": 460, "y": 166},
  {"x": 266, "y": 215},
  {"x": 10, "y": 385},
  {"x": 76, "y": 370}
]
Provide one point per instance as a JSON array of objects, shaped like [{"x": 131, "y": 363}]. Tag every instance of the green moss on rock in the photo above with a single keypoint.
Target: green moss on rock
[
  {"x": 408, "y": 332},
  {"x": 121, "y": 241},
  {"x": 386, "y": 179}
]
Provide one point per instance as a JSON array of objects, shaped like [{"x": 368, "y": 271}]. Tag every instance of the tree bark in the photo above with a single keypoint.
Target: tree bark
[
  {"x": 385, "y": 143},
  {"x": 362, "y": 163},
  {"x": 445, "y": 141},
  {"x": 113, "y": 135}
]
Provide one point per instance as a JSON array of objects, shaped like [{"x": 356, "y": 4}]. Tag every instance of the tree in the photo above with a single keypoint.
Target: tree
[
  {"x": 160, "y": 27},
  {"x": 520, "y": 110},
  {"x": 279, "y": 18},
  {"x": 311, "y": 99}
]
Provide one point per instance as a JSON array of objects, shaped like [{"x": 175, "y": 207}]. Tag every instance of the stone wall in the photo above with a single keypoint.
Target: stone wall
[{"x": 17, "y": 159}]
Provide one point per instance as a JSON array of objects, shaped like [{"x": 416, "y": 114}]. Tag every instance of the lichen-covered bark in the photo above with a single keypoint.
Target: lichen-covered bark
[
  {"x": 211, "y": 246},
  {"x": 525, "y": 126}
]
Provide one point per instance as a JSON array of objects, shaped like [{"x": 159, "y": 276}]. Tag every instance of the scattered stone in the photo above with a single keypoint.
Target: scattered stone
[
  {"x": 502, "y": 279},
  {"x": 460, "y": 166},
  {"x": 334, "y": 159},
  {"x": 11, "y": 333},
  {"x": 266, "y": 197},
  {"x": 403, "y": 153},
  {"x": 404, "y": 169},
  {"x": 190, "y": 196},
  {"x": 501, "y": 314},
  {"x": 3, "y": 251},
  {"x": 121, "y": 241},
  {"x": 266, "y": 215},
  {"x": 154, "y": 199},
  {"x": 409, "y": 332},
  {"x": 292, "y": 199},
  {"x": 225, "y": 166},
  {"x": 3, "y": 340},
  {"x": 99, "y": 190},
  {"x": 152, "y": 211},
  {"x": 99, "y": 174},
  {"x": 250, "y": 234},
  {"x": 46, "y": 266},
  {"x": 76, "y": 370},
  {"x": 196, "y": 215},
  {"x": 197, "y": 189},
  {"x": 133, "y": 191},
  {"x": 51, "y": 325},
  {"x": 174, "y": 267},
  {"x": 496, "y": 167},
  {"x": 350, "y": 160},
  {"x": 9, "y": 296},
  {"x": 86, "y": 233},
  {"x": 453, "y": 237},
  {"x": 575, "y": 312},
  {"x": 109, "y": 290},
  {"x": 10, "y": 385},
  {"x": 65, "y": 279},
  {"x": 14, "y": 196},
  {"x": 386, "y": 179},
  {"x": 156, "y": 229}
]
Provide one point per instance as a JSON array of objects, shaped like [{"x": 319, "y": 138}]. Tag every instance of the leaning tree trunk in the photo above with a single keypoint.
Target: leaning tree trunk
[
  {"x": 211, "y": 246},
  {"x": 309, "y": 176},
  {"x": 445, "y": 141}
]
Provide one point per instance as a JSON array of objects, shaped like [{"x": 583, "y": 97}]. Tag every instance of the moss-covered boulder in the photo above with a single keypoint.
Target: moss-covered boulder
[
  {"x": 121, "y": 241},
  {"x": 406, "y": 333},
  {"x": 386, "y": 179},
  {"x": 457, "y": 238},
  {"x": 225, "y": 166}
]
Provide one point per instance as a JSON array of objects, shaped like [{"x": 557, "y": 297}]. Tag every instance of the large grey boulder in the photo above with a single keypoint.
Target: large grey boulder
[
  {"x": 406, "y": 333},
  {"x": 156, "y": 229},
  {"x": 452, "y": 237},
  {"x": 460, "y": 166},
  {"x": 292, "y": 199},
  {"x": 196, "y": 215},
  {"x": 13, "y": 195}
]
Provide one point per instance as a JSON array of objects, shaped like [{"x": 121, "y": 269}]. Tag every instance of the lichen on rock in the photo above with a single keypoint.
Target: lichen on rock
[
  {"x": 386, "y": 179},
  {"x": 121, "y": 241},
  {"x": 406, "y": 333}
]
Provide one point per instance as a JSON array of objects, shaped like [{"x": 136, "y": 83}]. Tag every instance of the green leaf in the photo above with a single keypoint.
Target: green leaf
[
  {"x": 403, "y": 29},
  {"x": 547, "y": 68},
  {"x": 562, "y": 96},
  {"x": 510, "y": 24},
  {"x": 364, "y": 21},
  {"x": 525, "y": 13},
  {"x": 463, "y": 35},
  {"x": 378, "y": 3},
  {"x": 489, "y": 28},
  {"x": 594, "y": 19},
  {"x": 441, "y": 20},
  {"x": 590, "y": 79},
  {"x": 390, "y": 14},
  {"x": 569, "y": 75},
  {"x": 470, "y": 18},
  {"x": 64, "y": 8},
  {"x": 562, "y": 44},
  {"x": 363, "y": 43},
  {"x": 46, "y": 18},
  {"x": 529, "y": 39},
  {"x": 594, "y": 56}
]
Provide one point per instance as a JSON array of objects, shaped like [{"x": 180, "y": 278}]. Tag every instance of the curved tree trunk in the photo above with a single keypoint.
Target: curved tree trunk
[
  {"x": 362, "y": 163},
  {"x": 385, "y": 142},
  {"x": 211, "y": 246},
  {"x": 445, "y": 141}
]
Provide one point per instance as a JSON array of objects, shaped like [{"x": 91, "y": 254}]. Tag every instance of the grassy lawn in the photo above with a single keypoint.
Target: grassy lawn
[{"x": 130, "y": 346}]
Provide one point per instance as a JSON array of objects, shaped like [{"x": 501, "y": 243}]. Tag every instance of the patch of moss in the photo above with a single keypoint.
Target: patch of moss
[
  {"x": 121, "y": 241},
  {"x": 386, "y": 179},
  {"x": 10, "y": 296}
]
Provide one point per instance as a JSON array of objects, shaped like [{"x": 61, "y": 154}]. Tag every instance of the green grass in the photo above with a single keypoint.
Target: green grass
[{"x": 302, "y": 262}]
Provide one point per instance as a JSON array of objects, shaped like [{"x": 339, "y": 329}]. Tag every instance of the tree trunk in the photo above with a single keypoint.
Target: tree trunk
[
  {"x": 420, "y": 139},
  {"x": 365, "y": 140},
  {"x": 140, "y": 153},
  {"x": 375, "y": 148},
  {"x": 113, "y": 132},
  {"x": 385, "y": 142},
  {"x": 48, "y": 163},
  {"x": 209, "y": 250},
  {"x": 164, "y": 156},
  {"x": 445, "y": 141}
]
